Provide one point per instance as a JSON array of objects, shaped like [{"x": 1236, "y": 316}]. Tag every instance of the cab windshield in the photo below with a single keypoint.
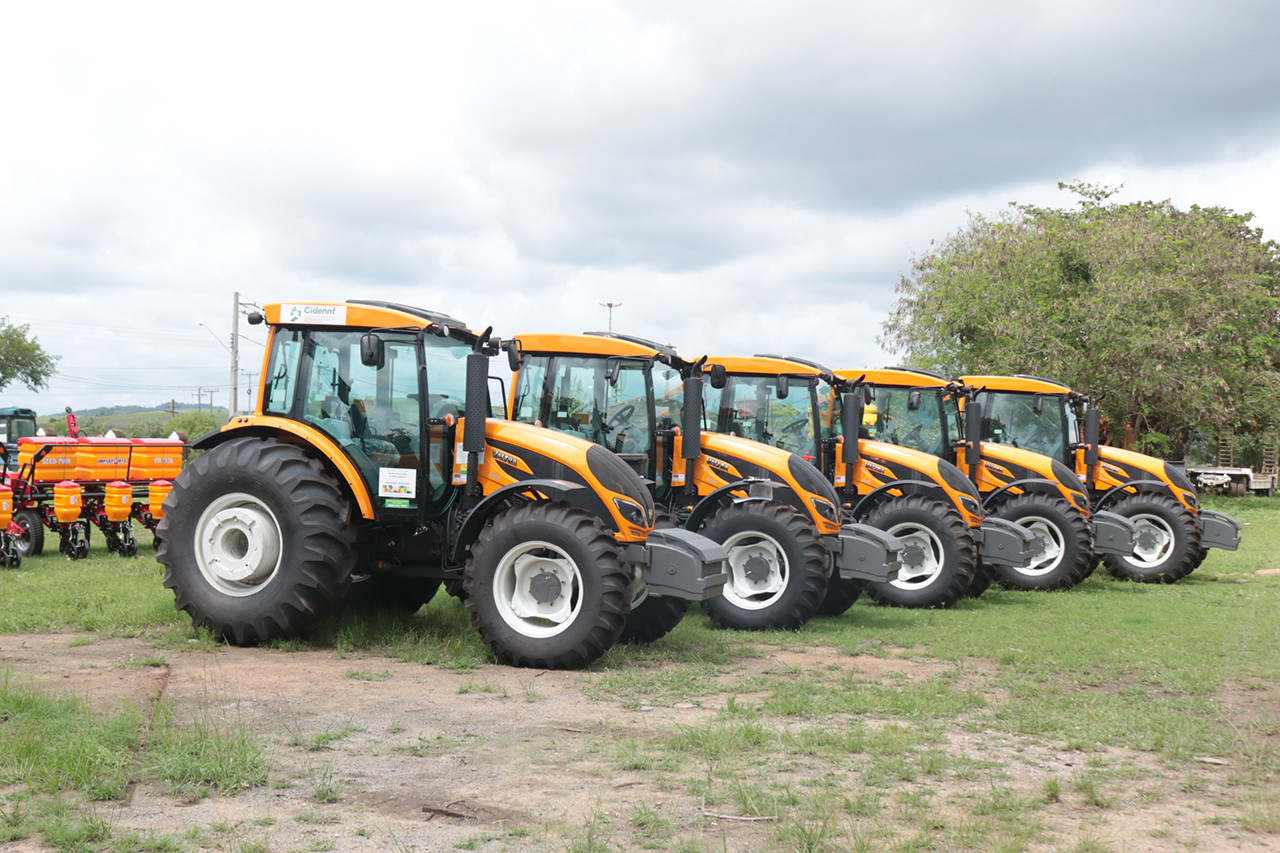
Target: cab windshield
[
  {"x": 1035, "y": 422},
  {"x": 751, "y": 407},
  {"x": 890, "y": 417},
  {"x": 604, "y": 400}
]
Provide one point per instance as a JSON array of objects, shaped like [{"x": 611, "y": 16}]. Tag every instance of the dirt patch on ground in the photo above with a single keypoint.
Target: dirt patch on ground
[{"x": 419, "y": 758}]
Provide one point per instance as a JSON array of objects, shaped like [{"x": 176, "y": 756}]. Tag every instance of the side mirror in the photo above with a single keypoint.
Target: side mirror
[
  {"x": 851, "y": 409},
  {"x": 612, "y": 372},
  {"x": 1037, "y": 403},
  {"x": 719, "y": 376},
  {"x": 514, "y": 357},
  {"x": 913, "y": 399},
  {"x": 784, "y": 386},
  {"x": 373, "y": 352}
]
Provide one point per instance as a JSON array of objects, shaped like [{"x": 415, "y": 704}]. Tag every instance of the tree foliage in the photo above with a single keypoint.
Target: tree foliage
[
  {"x": 1169, "y": 315},
  {"x": 21, "y": 357}
]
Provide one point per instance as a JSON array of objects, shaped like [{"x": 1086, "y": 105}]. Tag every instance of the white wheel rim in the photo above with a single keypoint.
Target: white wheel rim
[
  {"x": 922, "y": 556},
  {"x": 758, "y": 570},
  {"x": 238, "y": 544},
  {"x": 538, "y": 589},
  {"x": 1154, "y": 541},
  {"x": 639, "y": 588},
  {"x": 1052, "y": 546}
]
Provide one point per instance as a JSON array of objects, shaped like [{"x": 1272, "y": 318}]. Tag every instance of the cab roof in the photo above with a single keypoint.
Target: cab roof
[
  {"x": 1020, "y": 382},
  {"x": 765, "y": 365},
  {"x": 905, "y": 376},
  {"x": 593, "y": 343},
  {"x": 360, "y": 314}
]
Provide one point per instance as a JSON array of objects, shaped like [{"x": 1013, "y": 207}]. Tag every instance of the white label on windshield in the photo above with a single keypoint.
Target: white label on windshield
[{"x": 397, "y": 482}]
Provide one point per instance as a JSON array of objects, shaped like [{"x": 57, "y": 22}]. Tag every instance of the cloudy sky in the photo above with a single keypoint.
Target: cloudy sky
[{"x": 740, "y": 176}]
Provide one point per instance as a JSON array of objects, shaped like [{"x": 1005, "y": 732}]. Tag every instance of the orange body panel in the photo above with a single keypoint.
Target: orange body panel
[
  {"x": 59, "y": 464},
  {"x": 102, "y": 459},
  {"x": 155, "y": 459},
  {"x": 6, "y": 507}
]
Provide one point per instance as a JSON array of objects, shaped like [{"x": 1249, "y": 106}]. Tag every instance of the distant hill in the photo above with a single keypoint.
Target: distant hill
[{"x": 136, "y": 421}]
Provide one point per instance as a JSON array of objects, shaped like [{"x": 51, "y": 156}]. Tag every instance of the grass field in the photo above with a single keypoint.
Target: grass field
[{"x": 1151, "y": 685}]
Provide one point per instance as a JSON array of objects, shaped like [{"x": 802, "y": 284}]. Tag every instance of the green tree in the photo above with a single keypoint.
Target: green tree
[
  {"x": 21, "y": 357},
  {"x": 1169, "y": 316}
]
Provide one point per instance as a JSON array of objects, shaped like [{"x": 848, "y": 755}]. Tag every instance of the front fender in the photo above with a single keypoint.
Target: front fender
[
  {"x": 757, "y": 490},
  {"x": 1031, "y": 485},
  {"x": 574, "y": 494},
  {"x": 874, "y": 498},
  {"x": 1115, "y": 493}
]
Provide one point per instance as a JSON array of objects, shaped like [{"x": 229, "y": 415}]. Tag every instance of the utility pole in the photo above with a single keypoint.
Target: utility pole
[
  {"x": 199, "y": 398},
  {"x": 235, "y": 355},
  {"x": 611, "y": 306}
]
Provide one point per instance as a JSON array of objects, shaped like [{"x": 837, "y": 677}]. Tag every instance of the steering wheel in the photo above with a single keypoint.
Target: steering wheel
[
  {"x": 622, "y": 414},
  {"x": 794, "y": 426}
]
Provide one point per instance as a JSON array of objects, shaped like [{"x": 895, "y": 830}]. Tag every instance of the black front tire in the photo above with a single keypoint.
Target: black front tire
[
  {"x": 1065, "y": 537},
  {"x": 1167, "y": 546},
  {"x": 983, "y": 577},
  {"x": 30, "y": 542},
  {"x": 939, "y": 555},
  {"x": 257, "y": 541},
  {"x": 546, "y": 586},
  {"x": 841, "y": 595},
  {"x": 778, "y": 567}
]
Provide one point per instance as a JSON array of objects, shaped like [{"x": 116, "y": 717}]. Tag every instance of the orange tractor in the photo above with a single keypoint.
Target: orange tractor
[
  {"x": 372, "y": 463},
  {"x": 777, "y": 518},
  {"x": 924, "y": 501},
  {"x": 922, "y": 410},
  {"x": 1173, "y": 533}
]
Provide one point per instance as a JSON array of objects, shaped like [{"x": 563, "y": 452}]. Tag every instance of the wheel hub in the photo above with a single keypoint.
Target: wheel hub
[
  {"x": 545, "y": 587},
  {"x": 756, "y": 569},
  {"x": 241, "y": 545},
  {"x": 913, "y": 556},
  {"x": 1147, "y": 539}
]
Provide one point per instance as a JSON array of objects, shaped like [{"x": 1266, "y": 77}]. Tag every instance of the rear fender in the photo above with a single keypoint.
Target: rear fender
[
  {"x": 574, "y": 494},
  {"x": 294, "y": 432},
  {"x": 757, "y": 490}
]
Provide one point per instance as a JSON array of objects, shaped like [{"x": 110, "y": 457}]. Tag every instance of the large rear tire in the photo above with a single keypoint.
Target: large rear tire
[
  {"x": 778, "y": 567},
  {"x": 939, "y": 556},
  {"x": 546, "y": 586},
  {"x": 1065, "y": 538},
  {"x": 30, "y": 542},
  {"x": 652, "y": 617},
  {"x": 256, "y": 541},
  {"x": 1167, "y": 545}
]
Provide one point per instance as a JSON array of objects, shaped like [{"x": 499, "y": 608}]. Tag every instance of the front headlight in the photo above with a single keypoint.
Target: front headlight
[
  {"x": 826, "y": 509},
  {"x": 631, "y": 511}
]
